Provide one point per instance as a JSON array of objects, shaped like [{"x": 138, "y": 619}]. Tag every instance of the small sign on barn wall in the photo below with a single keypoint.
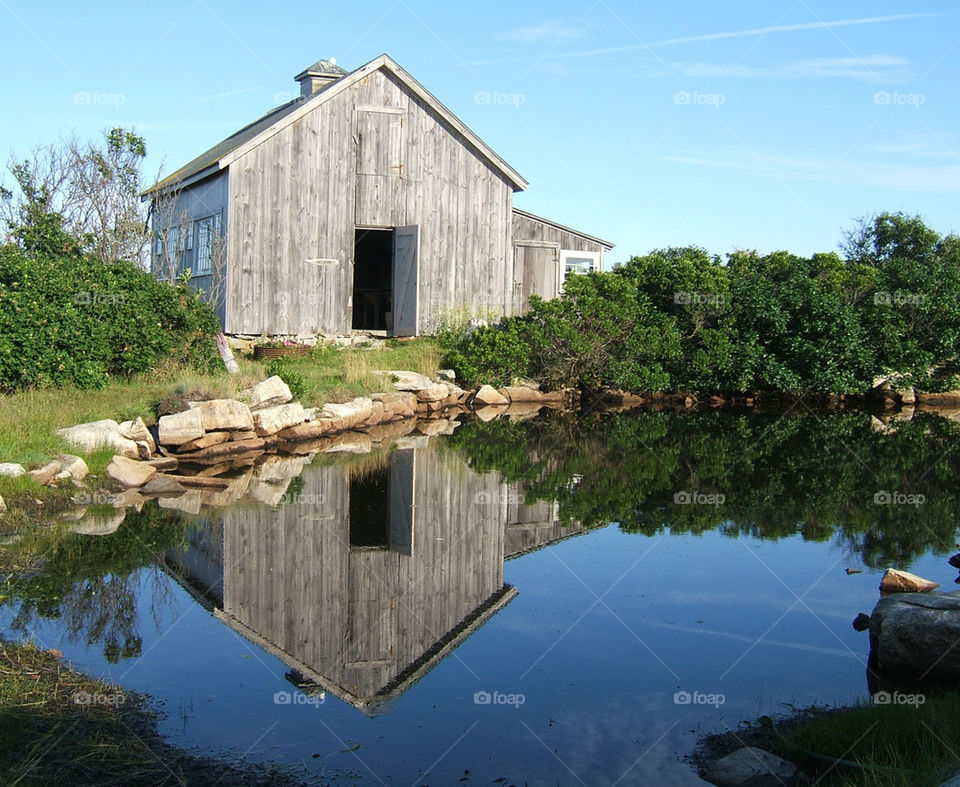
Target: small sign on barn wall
[{"x": 321, "y": 261}]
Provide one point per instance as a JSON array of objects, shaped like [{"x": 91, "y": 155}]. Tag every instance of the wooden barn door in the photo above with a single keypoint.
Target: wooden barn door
[
  {"x": 534, "y": 272},
  {"x": 405, "y": 259}
]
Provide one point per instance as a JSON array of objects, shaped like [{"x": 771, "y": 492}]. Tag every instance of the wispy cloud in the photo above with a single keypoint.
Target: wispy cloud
[
  {"x": 876, "y": 174},
  {"x": 818, "y": 25},
  {"x": 869, "y": 68},
  {"x": 752, "y": 32},
  {"x": 227, "y": 94},
  {"x": 545, "y": 31}
]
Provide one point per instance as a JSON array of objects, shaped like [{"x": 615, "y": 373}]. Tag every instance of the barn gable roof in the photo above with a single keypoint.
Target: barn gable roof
[{"x": 221, "y": 155}]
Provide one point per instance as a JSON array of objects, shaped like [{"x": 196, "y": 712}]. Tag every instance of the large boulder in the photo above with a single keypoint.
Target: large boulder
[
  {"x": 180, "y": 427},
  {"x": 44, "y": 475},
  {"x": 226, "y": 414},
  {"x": 397, "y": 404},
  {"x": 99, "y": 434},
  {"x": 271, "y": 420},
  {"x": 74, "y": 465},
  {"x": 349, "y": 414},
  {"x": 270, "y": 392},
  {"x": 754, "y": 767},
  {"x": 11, "y": 470},
  {"x": 488, "y": 395},
  {"x": 129, "y": 472},
  {"x": 137, "y": 431},
  {"x": 407, "y": 381},
  {"x": 915, "y": 634},
  {"x": 433, "y": 393}
]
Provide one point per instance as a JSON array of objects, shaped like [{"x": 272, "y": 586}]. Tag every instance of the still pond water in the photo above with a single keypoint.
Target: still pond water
[{"x": 562, "y": 600}]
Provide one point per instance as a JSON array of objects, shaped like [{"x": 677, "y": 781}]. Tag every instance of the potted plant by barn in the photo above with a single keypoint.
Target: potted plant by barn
[{"x": 277, "y": 348}]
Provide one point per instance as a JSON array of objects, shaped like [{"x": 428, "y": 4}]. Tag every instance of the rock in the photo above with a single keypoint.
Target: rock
[
  {"x": 397, "y": 404},
  {"x": 162, "y": 486},
  {"x": 226, "y": 414},
  {"x": 895, "y": 581},
  {"x": 907, "y": 396},
  {"x": 861, "y": 622},
  {"x": 352, "y": 413},
  {"x": 137, "y": 431},
  {"x": 454, "y": 390},
  {"x": 915, "y": 634},
  {"x": 130, "y": 472},
  {"x": 408, "y": 381},
  {"x": 433, "y": 393},
  {"x": 309, "y": 431},
  {"x": 853, "y": 571},
  {"x": 232, "y": 448},
  {"x": 954, "y": 560},
  {"x": 3, "y": 506},
  {"x": 163, "y": 463},
  {"x": 488, "y": 413},
  {"x": 180, "y": 428},
  {"x": 214, "y": 438},
  {"x": 99, "y": 434},
  {"x": 74, "y": 465},
  {"x": 447, "y": 375},
  {"x": 11, "y": 470},
  {"x": 269, "y": 393},
  {"x": 519, "y": 393},
  {"x": 271, "y": 420},
  {"x": 44, "y": 475},
  {"x": 754, "y": 767},
  {"x": 487, "y": 395}
]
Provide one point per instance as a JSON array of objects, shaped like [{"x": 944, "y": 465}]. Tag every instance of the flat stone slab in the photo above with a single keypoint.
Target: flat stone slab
[
  {"x": 180, "y": 428},
  {"x": 226, "y": 414},
  {"x": 130, "y": 472}
]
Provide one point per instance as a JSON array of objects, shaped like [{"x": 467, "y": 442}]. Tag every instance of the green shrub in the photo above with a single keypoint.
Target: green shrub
[
  {"x": 70, "y": 319},
  {"x": 683, "y": 319}
]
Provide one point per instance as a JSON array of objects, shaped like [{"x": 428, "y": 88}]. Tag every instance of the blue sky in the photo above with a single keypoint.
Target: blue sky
[{"x": 727, "y": 125}]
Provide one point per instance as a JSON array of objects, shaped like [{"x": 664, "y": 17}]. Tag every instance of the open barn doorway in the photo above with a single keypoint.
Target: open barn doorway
[
  {"x": 385, "y": 280},
  {"x": 373, "y": 280}
]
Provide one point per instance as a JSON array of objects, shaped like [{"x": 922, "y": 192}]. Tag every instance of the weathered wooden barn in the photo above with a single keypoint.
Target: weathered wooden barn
[{"x": 364, "y": 204}]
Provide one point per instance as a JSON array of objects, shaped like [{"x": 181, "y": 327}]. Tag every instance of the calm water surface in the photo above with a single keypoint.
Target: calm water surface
[{"x": 556, "y": 601}]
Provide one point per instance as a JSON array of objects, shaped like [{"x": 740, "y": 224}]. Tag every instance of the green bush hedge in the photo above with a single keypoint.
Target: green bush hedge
[
  {"x": 70, "y": 319},
  {"x": 683, "y": 319}
]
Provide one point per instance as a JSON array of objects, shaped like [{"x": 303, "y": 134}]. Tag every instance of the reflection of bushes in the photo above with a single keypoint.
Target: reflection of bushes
[
  {"x": 89, "y": 581},
  {"x": 779, "y": 476}
]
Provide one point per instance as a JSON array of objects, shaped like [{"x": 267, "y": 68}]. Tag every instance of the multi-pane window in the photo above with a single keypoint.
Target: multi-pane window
[{"x": 208, "y": 232}]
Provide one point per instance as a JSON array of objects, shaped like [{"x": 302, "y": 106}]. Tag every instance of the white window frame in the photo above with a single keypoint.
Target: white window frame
[
  {"x": 200, "y": 225},
  {"x": 595, "y": 257}
]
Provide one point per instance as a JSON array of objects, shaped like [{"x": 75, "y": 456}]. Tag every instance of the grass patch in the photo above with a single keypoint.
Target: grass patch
[
  {"x": 864, "y": 745},
  {"x": 58, "y": 726},
  {"x": 29, "y": 419}
]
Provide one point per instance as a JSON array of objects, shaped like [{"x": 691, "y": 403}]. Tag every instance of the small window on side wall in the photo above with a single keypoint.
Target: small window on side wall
[
  {"x": 577, "y": 263},
  {"x": 208, "y": 233}
]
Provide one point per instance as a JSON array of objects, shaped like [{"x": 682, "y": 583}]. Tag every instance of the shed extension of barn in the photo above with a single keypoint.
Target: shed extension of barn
[{"x": 364, "y": 204}]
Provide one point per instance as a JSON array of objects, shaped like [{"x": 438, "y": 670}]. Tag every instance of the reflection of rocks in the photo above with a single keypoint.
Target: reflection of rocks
[
  {"x": 99, "y": 524},
  {"x": 915, "y": 635}
]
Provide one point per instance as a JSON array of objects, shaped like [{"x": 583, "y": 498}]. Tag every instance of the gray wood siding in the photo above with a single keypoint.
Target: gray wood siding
[
  {"x": 527, "y": 229},
  {"x": 297, "y": 197},
  {"x": 208, "y": 197}
]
